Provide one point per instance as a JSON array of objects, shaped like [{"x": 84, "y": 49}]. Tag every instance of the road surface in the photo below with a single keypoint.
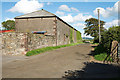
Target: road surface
[{"x": 52, "y": 64}]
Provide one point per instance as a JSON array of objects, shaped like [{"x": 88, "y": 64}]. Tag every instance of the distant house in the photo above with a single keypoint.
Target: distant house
[{"x": 44, "y": 22}]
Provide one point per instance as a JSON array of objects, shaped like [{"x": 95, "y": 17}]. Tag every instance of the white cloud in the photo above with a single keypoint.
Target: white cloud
[
  {"x": 49, "y": 3},
  {"x": 102, "y": 12},
  {"x": 9, "y": 19},
  {"x": 112, "y": 23},
  {"x": 109, "y": 11},
  {"x": 68, "y": 18},
  {"x": 26, "y": 6},
  {"x": 71, "y": 19},
  {"x": 81, "y": 17},
  {"x": 64, "y": 8},
  {"x": 60, "y": 13},
  {"x": 88, "y": 36},
  {"x": 74, "y": 9},
  {"x": 82, "y": 25}
]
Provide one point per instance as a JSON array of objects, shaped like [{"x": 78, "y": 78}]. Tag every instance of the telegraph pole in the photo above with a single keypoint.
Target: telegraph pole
[{"x": 99, "y": 25}]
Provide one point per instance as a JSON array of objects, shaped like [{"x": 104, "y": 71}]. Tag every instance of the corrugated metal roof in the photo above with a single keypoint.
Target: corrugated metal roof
[{"x": 40, "y": 13}]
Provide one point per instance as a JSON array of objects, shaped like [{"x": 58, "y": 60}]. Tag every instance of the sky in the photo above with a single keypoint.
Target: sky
[{"x": 74, "y": 13}]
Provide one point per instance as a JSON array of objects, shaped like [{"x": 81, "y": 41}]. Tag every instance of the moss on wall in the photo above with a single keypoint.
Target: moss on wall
[
  {"x": 71, "y": 35},
  {"x": 79, "y": 38}
]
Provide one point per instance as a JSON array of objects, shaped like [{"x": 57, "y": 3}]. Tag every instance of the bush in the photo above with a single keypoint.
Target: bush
[
  {"x": 108, "y": 36},
  {"x": 99, "y": 49},
  {"x": 104, "y": 47}
]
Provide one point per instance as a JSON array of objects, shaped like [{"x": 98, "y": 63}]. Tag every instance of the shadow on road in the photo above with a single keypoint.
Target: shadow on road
[
  {"x": 95, "y": 71},
  {"x": 93, "y": 46},
  {"x": 92, "y": 53}
]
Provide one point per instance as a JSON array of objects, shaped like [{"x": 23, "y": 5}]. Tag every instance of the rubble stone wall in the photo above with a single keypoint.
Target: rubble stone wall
[
  {"x": 38, "y": 41},
  {"x": 19, "y": 43}
]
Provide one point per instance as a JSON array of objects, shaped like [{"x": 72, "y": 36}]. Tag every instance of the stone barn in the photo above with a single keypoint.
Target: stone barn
[{"x": 44, "y": 22}]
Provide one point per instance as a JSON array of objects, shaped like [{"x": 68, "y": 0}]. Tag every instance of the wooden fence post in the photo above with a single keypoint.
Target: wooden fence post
[{"x": 114, "y": 53}]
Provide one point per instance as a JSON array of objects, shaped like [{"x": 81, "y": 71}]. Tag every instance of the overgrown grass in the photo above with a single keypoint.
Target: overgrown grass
[
  {"x": 100, "y": 49},
  {"x": 100, "y": 53},
  {"x": 100, "y": 57},
  {"x": 94, "y": 43},
  {"x": 41, "y": 50}
]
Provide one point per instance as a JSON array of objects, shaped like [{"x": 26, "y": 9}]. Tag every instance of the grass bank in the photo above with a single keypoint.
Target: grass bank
[
  {"x": 41, "y": 50},
  {"x": 100, "y": 53},
  {"x": 100, "y": 57}
]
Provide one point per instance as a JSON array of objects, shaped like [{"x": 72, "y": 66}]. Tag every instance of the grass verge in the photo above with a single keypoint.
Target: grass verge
[
  {"x": 100, "y": 53},
  {"x": 95, "y": 43},
  {"x": 100, "y": 57},
  {"x": 41, "y": 50}
]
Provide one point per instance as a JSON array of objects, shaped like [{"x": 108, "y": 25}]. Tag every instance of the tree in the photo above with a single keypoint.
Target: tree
[
  {"x": 9, "y": 24},
  {"x": 92, "y": 28},
  {"x": 113, "y": 33}
]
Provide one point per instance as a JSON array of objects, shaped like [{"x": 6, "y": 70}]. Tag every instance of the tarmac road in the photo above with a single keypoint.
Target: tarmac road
[{"x": 52, "y": 64}]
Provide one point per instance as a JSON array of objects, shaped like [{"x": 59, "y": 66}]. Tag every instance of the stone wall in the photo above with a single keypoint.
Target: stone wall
[
  {"x": 38, "y": 41},
  {"x": 63, "y": 33},
  {"x": 75, "y": 36},
  {"x": 19, "y": 43},
  {"x": 13, "y": 43}
]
